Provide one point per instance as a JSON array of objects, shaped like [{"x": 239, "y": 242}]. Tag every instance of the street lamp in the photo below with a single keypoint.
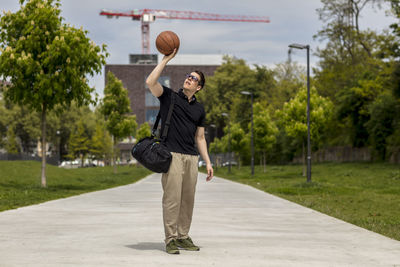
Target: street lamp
[
  {"x": 300, "y": 46},
  {"x": 252, "y": 131},
  {"x": 215, "y": 156},
  {"x": 229, "y": 141},
  {"x": 59, "y": 146}
]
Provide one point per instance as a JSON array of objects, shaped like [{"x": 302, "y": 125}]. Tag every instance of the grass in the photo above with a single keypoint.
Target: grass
[
  {"x": 364, "y": 194},
  {"x": 20, "y": 182}
]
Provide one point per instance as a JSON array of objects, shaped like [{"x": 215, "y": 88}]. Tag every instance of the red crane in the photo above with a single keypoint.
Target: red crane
[{"x": 146, "y": 16}]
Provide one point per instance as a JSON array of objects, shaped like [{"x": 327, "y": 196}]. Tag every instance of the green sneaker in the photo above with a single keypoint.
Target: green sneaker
[
  {"x": 187, "y": 244},
  {"x": 171, "y": 247}
]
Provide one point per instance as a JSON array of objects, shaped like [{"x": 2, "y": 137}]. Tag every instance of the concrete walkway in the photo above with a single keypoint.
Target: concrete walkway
[{"x": 235, "y": 225}]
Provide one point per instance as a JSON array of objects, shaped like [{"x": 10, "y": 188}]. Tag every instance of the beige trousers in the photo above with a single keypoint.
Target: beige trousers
[{"x": 179, "y": 185}]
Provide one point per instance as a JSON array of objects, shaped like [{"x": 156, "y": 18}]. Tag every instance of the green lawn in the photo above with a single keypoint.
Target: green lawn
[
  {"x": 20, "y": 181},
  {"x": 364, "y": 194}
]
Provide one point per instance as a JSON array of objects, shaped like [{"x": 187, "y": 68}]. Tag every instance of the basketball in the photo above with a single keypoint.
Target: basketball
[{"x": 166, "y": 42}]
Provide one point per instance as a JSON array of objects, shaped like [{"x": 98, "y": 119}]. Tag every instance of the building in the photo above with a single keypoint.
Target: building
[{"x": 133, "y": 76}]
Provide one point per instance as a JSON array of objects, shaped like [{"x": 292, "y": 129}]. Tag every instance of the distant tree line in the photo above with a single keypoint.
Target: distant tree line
[
  {"x": 76, "y": 132},
  {"x": 355, "y": 94}
]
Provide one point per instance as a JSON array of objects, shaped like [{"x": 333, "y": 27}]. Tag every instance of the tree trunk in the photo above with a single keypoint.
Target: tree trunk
[
  {"x": 304, "y": 160},
  {"x": 44, "y": 184},
  {"x": 112, "y": 151},
  {"x": 265, "y": 167},
  {"x": 114, "y": 155},
  {"x": 239, "y": 163},
  {"x": 356, "y": 16}
]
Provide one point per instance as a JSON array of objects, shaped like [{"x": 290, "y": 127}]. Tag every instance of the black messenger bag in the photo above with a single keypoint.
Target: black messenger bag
[{"x": 151, "y": 151}]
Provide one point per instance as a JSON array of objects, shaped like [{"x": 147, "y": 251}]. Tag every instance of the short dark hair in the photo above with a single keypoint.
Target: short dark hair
[{"x": 202, "y": 81}]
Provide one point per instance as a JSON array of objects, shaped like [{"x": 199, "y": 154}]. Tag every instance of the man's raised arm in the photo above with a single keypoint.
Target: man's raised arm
[{"x": 152, "y": 81}]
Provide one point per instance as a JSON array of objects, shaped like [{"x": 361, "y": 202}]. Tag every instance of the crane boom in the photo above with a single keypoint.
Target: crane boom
[
  {"x": 146, "y": 16},
  {"x": 188, "y": 15}
]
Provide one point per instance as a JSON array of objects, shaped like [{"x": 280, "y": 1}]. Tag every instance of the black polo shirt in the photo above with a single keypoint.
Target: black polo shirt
[{"x": 185, "y": 119}]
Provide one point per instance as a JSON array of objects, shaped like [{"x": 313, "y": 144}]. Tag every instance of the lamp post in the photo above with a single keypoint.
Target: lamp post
[
  {"x": 215, "y": 135},
  {"x": 300, "y": 46},
  {"x": 252, "y": 131},
  {"x": 59, "y": 146},
  {"x": 229, "y": 141}
]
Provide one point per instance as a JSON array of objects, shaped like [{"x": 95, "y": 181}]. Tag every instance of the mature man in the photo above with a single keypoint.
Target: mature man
[{"x": 186, "y": 128}]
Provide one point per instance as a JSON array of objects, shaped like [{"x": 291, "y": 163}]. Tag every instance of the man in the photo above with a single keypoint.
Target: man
[{"x": 186, "y": 128}]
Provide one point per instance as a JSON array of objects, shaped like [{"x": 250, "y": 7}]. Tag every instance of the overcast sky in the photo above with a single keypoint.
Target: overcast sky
[{"x": 292, "y": 21}]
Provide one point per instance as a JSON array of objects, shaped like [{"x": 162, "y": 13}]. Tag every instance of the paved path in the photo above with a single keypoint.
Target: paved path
[{"x": 235, "y": 225}]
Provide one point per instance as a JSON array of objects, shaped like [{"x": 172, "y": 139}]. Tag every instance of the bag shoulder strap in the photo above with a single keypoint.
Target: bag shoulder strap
[{"x": 167, "y": 122}]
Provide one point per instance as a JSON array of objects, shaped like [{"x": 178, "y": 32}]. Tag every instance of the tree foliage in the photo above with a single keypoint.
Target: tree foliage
[
  {"x": 12, "y": 146},
  {"x": 115, "y": 108},
  {"x": 381, "y": 123},
  {"x": 46, "y": 60},
  {"x": 222, "y": 92},
  {"x": 354, "y": 109},
  {"x": 294, "y": 116},
  {"x": 143, "y": 131},
  {"x": 238, "y": 141},
  {"x": 265, "y": 131},
  {"x": 101, "y": 143},
  {"x": 79, "y": 143},
  {"x": 218, "y": 146}
]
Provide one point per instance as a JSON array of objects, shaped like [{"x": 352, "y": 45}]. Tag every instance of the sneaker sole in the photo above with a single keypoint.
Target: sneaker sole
[
  {"x": 175, "y": 252},
  {"x": 189, "y": 249}
]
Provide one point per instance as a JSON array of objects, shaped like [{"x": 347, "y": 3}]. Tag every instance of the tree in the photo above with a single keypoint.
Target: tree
[
  {"x": 354, "y": 109},
  {"x": 79, "y": 143},
  {"x": 4, "y": 122},
  {"x": 24, "y": 123},
  {"x": 27, "y": 126},
  {"x": 395, "y": 5},
  {"x": 218, "y": 146},
  {"x": 294, "y": 117},
  {"x": 101, "y": 143},
  {"x": 46, "y": 61},
  {"x": 355, "y": 68},
  {"x": 143, "y": 131},
  {"x": 12, "y": 146},
  {"x": 289, "y": 78},
  {"x": 381, "y": 124},
  {"x": 349, "y": 51},
  {"x": 222, "y": 92},
  {"x": 342, "y": 25},
  {"x": 265, "y": 131},
  {"x": 115, "y": 108},
  {"x": 70, "y": 118},
  {"x": 239, "y": 143}
]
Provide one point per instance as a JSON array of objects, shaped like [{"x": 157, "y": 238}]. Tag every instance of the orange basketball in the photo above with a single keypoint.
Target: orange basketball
[{"x": 166, "y": 42}]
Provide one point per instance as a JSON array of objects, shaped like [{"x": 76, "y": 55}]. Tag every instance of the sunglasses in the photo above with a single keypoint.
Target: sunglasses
[{"x": 192, "y": 77}]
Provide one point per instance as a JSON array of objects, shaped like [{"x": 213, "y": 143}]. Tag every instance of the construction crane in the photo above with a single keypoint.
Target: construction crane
[{"x": 147, "y": 16}]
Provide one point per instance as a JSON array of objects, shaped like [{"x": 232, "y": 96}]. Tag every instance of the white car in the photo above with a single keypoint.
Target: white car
[
  {"x": 233, "y": 163},
  {"x": 202, "y": 163}
]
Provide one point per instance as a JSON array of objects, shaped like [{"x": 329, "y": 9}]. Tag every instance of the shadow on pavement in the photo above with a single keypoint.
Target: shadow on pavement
[{"x": 148, "y": 246}]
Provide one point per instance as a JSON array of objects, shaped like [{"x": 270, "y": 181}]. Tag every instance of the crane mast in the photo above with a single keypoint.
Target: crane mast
[{"x": 147, "y": 16}]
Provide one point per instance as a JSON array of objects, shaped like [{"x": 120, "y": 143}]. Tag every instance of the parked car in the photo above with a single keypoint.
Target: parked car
[
  {"x": 202, "y": 163},
  {"x": 233, "y": 163}
]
